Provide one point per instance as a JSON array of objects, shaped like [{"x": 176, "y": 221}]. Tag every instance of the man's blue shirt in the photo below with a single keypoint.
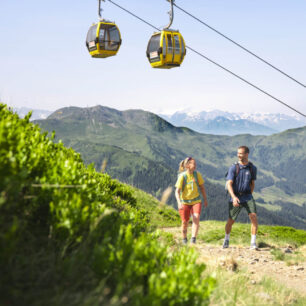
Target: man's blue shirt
[{"x": 242, "y": 182}]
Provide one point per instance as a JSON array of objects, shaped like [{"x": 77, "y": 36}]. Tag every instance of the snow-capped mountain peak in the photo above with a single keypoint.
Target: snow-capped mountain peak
[{"x": 222, "y": 122}]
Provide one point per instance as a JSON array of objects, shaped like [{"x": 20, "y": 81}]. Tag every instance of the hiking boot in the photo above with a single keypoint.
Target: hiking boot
[
  {"x": 193, "y": 240},
  {"x": 184, "y": 241},
  {"x": 225, "y": 244},
  {"x": 253, "y": 246}
]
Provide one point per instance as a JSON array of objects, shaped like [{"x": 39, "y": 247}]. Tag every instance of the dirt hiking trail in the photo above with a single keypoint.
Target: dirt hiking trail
[{"x": 258, "y": 263}]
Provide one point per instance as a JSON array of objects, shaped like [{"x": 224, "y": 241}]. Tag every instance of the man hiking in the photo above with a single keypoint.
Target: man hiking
[{"x": 240, "y": 185}]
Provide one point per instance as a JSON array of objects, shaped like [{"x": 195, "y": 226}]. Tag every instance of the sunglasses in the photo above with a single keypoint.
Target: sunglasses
[{"x": 189, "y": 159}]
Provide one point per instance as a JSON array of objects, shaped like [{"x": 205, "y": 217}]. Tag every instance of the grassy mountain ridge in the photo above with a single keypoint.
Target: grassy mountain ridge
[
  {"x": 279, "y": 157},
  {"x": 114, "y": 118}
]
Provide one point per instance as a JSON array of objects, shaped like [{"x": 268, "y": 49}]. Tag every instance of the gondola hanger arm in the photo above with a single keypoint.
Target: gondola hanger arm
[
  {"x": 100, "y": 9},
  {"x": 171, "y": 14}
]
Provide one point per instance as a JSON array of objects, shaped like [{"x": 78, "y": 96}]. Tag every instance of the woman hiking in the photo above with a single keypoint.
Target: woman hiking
[{"x": 188, "y": 187}]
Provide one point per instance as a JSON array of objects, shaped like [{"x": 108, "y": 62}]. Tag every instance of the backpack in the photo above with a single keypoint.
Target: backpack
[
  {"x": 250, "y": 165},
  {"x": 195, "y": 175}
]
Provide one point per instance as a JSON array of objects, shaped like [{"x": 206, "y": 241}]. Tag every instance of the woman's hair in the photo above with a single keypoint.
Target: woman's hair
[{"x": 184, "y": 163}]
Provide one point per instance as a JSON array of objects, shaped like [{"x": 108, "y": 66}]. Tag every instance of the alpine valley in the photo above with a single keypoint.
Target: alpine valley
[{"x": 144, "y": 150}]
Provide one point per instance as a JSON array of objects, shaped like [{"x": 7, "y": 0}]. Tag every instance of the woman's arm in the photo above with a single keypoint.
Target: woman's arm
[{"x": 178, "y": 199}]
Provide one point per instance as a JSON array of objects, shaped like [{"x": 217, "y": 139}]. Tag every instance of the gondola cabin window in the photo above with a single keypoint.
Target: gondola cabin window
[
  {"x": 176, "y": 44},
  {"x": 114, "y": 38},
  {"x": 169, "y": 38},
  {"x": 91, "y": 38},
  {"x": 153, "y": 47}
]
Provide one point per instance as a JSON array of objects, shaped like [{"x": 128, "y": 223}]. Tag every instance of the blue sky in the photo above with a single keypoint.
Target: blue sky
[{"x": 44, "y": 62}]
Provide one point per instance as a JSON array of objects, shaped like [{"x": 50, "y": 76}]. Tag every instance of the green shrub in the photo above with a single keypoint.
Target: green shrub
[
  {"x": 284, "y": 234},
  {"x": 278, "y": 254}
]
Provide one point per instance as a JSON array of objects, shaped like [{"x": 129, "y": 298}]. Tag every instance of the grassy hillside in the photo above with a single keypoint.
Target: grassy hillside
[
  {"x": 144, "y": 150},
  {"x": 274, "y": 236},
  {"x": 131, "y": 168},
  {"x": 72, "y": 236}
]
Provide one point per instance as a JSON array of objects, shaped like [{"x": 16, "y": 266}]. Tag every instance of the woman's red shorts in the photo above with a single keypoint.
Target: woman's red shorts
[{"x": 187, "y": 210}]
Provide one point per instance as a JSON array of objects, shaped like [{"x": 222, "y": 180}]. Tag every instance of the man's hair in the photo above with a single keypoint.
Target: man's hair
[{"x": 245, "y": 148}]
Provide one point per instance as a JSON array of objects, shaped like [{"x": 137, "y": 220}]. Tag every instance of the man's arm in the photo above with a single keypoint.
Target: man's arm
[
  {"x": 231, "y": 192},
  {"x": 203, "y": 191},
  {"x": 252, "y": 185}
]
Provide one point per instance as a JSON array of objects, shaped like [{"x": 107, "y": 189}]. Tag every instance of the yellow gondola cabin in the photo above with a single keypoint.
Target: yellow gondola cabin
[
  {"x": 103, "y": 39},
  {"x": 166, "y": 49}
]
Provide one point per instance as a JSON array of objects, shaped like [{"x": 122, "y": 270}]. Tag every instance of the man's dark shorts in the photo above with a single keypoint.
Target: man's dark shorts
[{"x": 250, "y": 206}]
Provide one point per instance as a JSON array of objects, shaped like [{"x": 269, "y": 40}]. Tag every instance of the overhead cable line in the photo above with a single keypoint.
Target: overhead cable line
[
  {"x": 129, "y": 12},
  {"x": 244, "y": 80},
  {"x": 240, "y": 46},
  {"x": 213, "y": 62}
]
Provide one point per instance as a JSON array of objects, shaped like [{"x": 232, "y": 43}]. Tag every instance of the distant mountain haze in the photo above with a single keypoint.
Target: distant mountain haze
[
  {"x": 142, "y": 149},
  {"x": 36, "y": 113},
  {"x": 225, "y": 123}
]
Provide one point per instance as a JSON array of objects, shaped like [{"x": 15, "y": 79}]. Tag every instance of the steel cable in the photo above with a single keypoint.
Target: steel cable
[
  {"x": 240, "y": 46},
  {"x": 213, "y": 62}
]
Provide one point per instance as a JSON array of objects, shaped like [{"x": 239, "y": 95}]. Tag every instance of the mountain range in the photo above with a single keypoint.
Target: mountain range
[
  {"x": 142, "y": 149},
  {"x": 214, "y": 122},
  {"x": 225, "y": 123}
]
